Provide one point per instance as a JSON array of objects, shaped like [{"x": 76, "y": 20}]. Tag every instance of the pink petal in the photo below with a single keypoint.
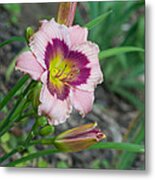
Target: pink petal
[
  {"x": 90, "y": 50},
  {"x": 78, "y": 35},
  {"x": 48, "y": 31},
  {"x": 27, "y": 63},
  {"x": 82, "y": 100},
  {"x": 56, "y": 110},
  {"x": 44, "y": 77}
]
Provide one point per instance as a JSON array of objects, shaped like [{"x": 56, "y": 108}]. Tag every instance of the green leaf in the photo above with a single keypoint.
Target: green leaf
[
  {"x": 32, "y": 156},
  {"x": 5, "y": 138},
  {"x": 119, "y": 146},
  {"x": 14, "y": 9},
  {"x": 94, "y": 9},
  {"x": 42, "y": 163},
  {"x": 10, "y": 69},
  {"x": 13, "y": 91},
  {"x": 97, "y": 20},
  {"x": 126, "y": 159},
  {"x": 13, "y": 39},
  {"x": 133, "y": 99},
  {"x": 16, "y": 111},
  {"x": 12, "y": 64},
  {"x": 62, "y": 164},
  {"x": 96, "y": 164},
  {"x": 131, "y": 83},
  {"x": 118, "y": 50}
]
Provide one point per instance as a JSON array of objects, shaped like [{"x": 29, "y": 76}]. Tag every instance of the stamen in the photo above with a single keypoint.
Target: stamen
[
  {"x": 54, "y": 72},
  {"x": 66, "y": 74},
  {"x": 61, "y": 71}
]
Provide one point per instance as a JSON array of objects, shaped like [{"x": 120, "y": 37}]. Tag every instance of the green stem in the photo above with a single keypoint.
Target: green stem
[
  {"x": 6, "y": 121},
  {"x": 7, "y": 127},
  {"x": 44, "y": 141},
  {"x": 33, "y": 156},
  {"x": 30, "y": 135},
  {"x": 11, "y": 153},
  {"x": 15, "y": 38},
  {"x": 13, "y": 91},
  {"x": 24, "y": 116},
  {"x": 119, "y": 146},
  {"x": 14, "y": 112}
]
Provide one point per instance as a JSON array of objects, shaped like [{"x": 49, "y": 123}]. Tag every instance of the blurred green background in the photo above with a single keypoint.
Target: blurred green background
[{"x": 119, "y": 104}]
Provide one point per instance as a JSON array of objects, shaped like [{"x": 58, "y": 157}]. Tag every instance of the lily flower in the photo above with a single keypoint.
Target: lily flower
[
  {"x": 79, "y": 138},
  {"x": 68, "y": 67}
]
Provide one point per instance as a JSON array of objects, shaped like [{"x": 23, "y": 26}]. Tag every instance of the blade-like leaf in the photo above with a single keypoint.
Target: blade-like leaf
[
  {"x": 97, "y": 20},
  {"x": 126, "y": 159},
  {"x": 32, "y": 156},
  {"x": 13, "y": 39},
  {"x": 119, "y": 146},
  {"x": 118, "y": 50},
  {"x": 13, "y": 91},
  {"x": 101, "y": 145},
  {"x": 133, "y": 99}
]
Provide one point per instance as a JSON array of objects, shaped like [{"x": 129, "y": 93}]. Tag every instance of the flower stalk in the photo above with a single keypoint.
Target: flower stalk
[{"x": 107, "y": 145}]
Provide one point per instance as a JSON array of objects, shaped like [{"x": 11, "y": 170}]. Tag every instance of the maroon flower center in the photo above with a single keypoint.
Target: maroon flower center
[{"x": 66, "y": 68}]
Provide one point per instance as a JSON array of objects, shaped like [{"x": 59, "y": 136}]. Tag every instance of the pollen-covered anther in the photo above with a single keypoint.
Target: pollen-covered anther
[
  {"x": 64, "y": 74},
  {"x": 54, "y": 72}
]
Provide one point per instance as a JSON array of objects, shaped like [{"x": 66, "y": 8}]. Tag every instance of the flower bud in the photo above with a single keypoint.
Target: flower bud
[
  {"x": 78, "y": 138},
  {"x": 34, "y": 95},
  {"x": 42, "y": 121},
  {"x": 29, "y": 32},
  {"x": 47, "y": 130},
  {"x": 66, "y": 13}
]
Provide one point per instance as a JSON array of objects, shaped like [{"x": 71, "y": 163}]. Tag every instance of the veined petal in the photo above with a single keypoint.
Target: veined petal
[
  {"x": 82, "y": 100},
  {"x": 90, "y": 50},
  {"x": 77, "y": 131},
  {"x": 72, "y": 145},
  {"x": 44, "y": 77},
  {"x": 49, "y": 30},
  {"x": 56, "y": 110},
  {"x": 27, "y": 63},
  {"x": 78, "y": 35},
  {"x": 55, "y": 30}
]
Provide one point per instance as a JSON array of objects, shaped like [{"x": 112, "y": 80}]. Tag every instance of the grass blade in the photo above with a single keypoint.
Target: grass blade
[
  {"x": 119, "y": 146},
  {"x": 15, "y": 38},
  {"x": 126, "y": 159},
  {"x": 97, "y": 20},
  {"x": 133, "y": 99},
  {"x": 13, "y": 91},
  {"x": 118, "y": 50},
  {"x": 32, "y": 156}
]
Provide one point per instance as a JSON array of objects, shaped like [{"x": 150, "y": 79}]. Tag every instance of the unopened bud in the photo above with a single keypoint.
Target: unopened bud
[
  {"x": 47, "y": 130},
  {"x": 78, "y": 138},
  {"x": 42, "y": 121},
  {"x": 34, "y": 95},
  {"x": 29, "y": 32}
]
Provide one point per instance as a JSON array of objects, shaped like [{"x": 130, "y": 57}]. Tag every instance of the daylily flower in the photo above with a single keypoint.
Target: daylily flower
[
  {"x": 67, "y": 65},
  {"x": 79, "y": 138}
]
